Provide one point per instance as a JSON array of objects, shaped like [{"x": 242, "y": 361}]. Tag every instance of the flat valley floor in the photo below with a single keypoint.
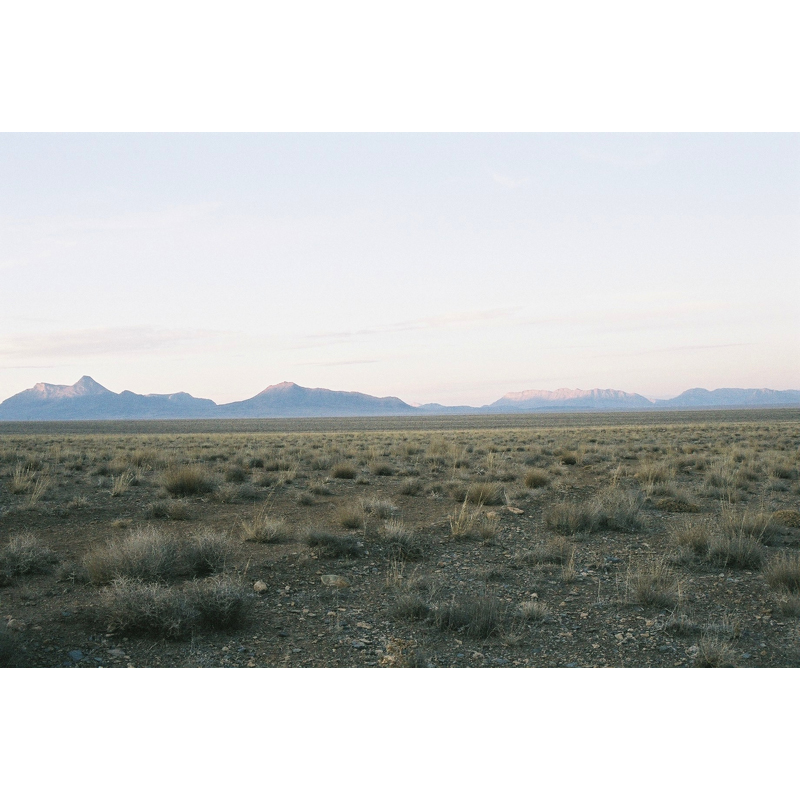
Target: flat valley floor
[{"x": 585, "y": 540}]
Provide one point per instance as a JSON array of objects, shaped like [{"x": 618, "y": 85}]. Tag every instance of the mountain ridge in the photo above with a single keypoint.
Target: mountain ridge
[{"x": 86, "y": 399}]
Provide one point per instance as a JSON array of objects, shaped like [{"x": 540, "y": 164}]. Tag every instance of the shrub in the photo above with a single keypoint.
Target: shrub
[
  {"x": 713, "y": 652},
  {"x": 264, "y": 528},
  {"x": 571, "y": 518},
  {"x": 736, "y": 551},
  {"x": 169, "y": 509},
  {"x": 534, "y": 611},
  {"x": 783, "y": 573},
  {"x": 24, "y": 555},
  {"x": 480, "y": 616},
  {"x": 758, "y": 525},
  {"x": 187, "y": 480},
  {"x": 131, "y": 606},
  {"x": 411, "y": 487},
  {"x": 351, "y": 517},
  {"x": 556, "y": 550},
  {"x": 409, "y": 606},
  {"x": 654, "y": 585},
  {"x": 536, "y": 478},
  {"x": 235, "y": 474},
  {"x": 485, "y": 494},
  {"x": 382, "y": 468},
  {"x": 788, "y": 517},
  {"x": 332, "y": 545},
  {"x": 401, "y": 540},
  {"x": 121, "y": 483},
  {"x": 149, "y": 554},
  {"x": 21, "y": 480},
  {"x": 344, "y": 471}
]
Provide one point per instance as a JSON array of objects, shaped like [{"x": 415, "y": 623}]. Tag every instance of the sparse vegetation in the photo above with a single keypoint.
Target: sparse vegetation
[{"x": 614, "y": 542}]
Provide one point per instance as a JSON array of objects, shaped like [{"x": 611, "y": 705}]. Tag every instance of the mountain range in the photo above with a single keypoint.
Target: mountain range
[{"x": 88, "y": 400}]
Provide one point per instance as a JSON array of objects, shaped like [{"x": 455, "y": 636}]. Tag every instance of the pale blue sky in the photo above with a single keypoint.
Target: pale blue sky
[{"x": 438, "y": 268}]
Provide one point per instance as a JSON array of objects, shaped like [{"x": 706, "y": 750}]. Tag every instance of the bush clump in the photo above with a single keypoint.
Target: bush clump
[
  {"x": 132, "y": 606},
  {"x": 149, "y": 554},
  {"x": 187, "y": 481},
  {"x": 24, "y": 555}
]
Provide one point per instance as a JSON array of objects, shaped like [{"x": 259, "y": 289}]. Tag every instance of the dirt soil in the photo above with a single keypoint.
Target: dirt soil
[{"x": 385, "y": 605}]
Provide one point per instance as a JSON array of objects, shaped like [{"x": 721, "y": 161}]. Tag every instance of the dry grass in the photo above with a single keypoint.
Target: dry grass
[
  {"x": 24, "y": 555},
  {"x": 712, "y": 651},
  {"x": 150, "y": 554},
  {"x": 480, "y": 616},
  {"x": 653, "y": 585},
  {"x": 536, "y": 479},
  {"x": 485, "y": 494},
  {"x": 344, "y": 471},
  {"x": 265, "y": 528},
  {"x": 187, "y": 481},
  {"x": 783, "y": 573},
  {"x": 332, "y": 545},
  {"x": 351, "y": 517},
  {"x": 133, "y": 607}
]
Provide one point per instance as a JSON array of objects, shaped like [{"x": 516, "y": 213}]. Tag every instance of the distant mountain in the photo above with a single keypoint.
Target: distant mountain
[
  {"x": 291, "y": 400},
  {"x": 571, "y": 400},
  {"x": 87, "y": 399},
  {"x": 732, "y": 398}
]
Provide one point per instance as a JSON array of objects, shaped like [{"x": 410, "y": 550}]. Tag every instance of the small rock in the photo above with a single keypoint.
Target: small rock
[
  {"x": 514, "y": 510},
  {"x": 357, "y": 644},
  {"x": 75, "y": 655},
  {"x": 117, "y": 652},
  {"x": 260, "y": 587},
  {"x": 15, "y": 625}
]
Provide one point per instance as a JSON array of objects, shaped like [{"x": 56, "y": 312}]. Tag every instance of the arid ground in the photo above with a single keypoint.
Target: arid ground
[{"x": 636, "y": 540}]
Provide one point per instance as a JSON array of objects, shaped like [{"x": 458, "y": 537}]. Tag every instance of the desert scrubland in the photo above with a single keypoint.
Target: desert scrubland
[{"x": 663, "y": 539}]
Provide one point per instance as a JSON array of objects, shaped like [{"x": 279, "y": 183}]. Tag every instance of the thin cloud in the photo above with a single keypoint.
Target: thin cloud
[
  {"x": 336, "y": 363},
  {"x": 468, "y": 319},
  {"x": 103, "y": 341},
  {"x": 508, "y": 181}
]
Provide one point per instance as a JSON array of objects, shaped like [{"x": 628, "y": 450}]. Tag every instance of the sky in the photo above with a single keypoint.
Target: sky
[{"x": 448, "y": 268}]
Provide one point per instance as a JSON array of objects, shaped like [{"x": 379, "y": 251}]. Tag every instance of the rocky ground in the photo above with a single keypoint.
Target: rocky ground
[{"x": 518, "y": 584}]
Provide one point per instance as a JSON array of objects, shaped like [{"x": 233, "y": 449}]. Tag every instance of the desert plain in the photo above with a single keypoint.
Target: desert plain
[{"x": 651, "y": 539}]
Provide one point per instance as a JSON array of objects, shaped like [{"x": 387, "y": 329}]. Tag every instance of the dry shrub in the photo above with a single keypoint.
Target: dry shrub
[
  {"x": 654, "y": 585},
  {"x": 411, "y": 487},
  {"x": 344, "y": 471},
  {"x": 713, "y": 652},
  {"x": 409, "y": 605},
  {"x": 187, "y": 480},
  {"x": 534, "y": 611},
  {"x": 382, "y": 509},
  {"x": 759, "y": 525},
  {"x": 149, "y": 554},
  {"x": 783, "y": 573},
  {"x": 737, "y": 551},
  {"x": 466, "y": 523},
  {"x": 264, "y": 528},
  {"x": 382, "y": 468},
  {"x": 21, "y": 480},
  {"x": 788, "y": 517},
  {"x": 332, "y": 545},
  {"x": 571, "y": 518},
  {"x": 479, "y": 616},
  {"x": 402, "y": 541},
  {"x": 24, "y": 555},
  {"x": 536, "y": 478},
  {"x": 351, "y": 517},
  {"x": 169, "y": 509},
  {"x": 556, "y": 550},
  {"x": 131, "y": 606},
  {"x": 235, "y": 474},
  {"x": 485, "y": 494}
]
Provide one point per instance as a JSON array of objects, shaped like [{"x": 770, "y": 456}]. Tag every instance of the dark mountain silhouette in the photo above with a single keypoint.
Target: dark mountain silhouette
[{"x": 88, "y": 400}]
